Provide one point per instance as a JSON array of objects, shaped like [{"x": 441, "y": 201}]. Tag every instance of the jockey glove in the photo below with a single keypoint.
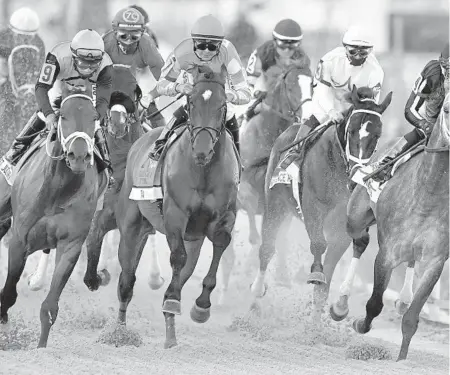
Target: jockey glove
[
  {"x": 426, "y": 127},
  {"x": 335, "y": 116},
  {"x": 184, "y": 88},
  {"x": 51, "y": 122}
]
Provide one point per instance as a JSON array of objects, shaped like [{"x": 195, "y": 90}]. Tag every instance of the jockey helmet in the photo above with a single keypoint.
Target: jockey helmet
[
  {"x": 288, "y": 31},
  {"x": 357, "y": 45},
  {"x": 207, "y": 34},
  {"x": 24, "y": 21},
  {"x": 87, "y": 50},
  {"x": 444, "y": 61},
  {"x": 129, "y": 26},
  {"x": 208, "y": 28}
]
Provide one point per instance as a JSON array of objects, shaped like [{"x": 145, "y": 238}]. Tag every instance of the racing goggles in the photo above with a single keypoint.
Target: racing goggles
[
  {"x": 86, "y": 66},
  {"x": 93, "y": 55},
  {"x": 129, "y": 36},
  {"x": 287, "y": 44},
  {"x": 355, "y": 51},
  {"x": 207, "y": 45}
]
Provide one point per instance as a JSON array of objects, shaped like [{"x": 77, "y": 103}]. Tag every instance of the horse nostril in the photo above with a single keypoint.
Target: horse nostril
[
  {"x": 71, "y": 155},
  {"x": 87, "y": 158}
]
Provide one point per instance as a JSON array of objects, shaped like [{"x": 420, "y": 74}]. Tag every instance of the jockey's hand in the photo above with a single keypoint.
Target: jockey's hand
[
  {"x": 335, "y": 116},
  {"x": 51, "y": 121},
  {"x": 184, "y": 88},
  {"x": 260, "y": 94},
  {"x": 232, "y": 96},
  {"x": 147, "y": 99},
  {"x": 426, "y": 127}
]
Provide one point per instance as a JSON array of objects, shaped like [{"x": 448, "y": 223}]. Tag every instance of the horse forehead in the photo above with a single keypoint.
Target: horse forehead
[
  {"x": 365, "y": 130},
  {"x": 207, "y": 95}
]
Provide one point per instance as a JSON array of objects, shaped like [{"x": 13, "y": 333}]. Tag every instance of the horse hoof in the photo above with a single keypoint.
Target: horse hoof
[
  {"x": 93, "y": 284},
  {"x": 317, "y": 278},
  {"x": 199, "y": 314},
  {"x": 401, "y": 307},
  {"x": 33, "y": 284},
  {"x": 337, "y": 315},
  {"x": 255, "y": 308},
  {"x": 263, "y": 293},
  {"x": 105, "y": 277},
  {"x": 170, "y": 344},
  {"x": 155, "y": 282},
  {"x": 172, "y": 306},
  {"x": 359, "y": 326},
  {"x": 4, "y": 319}
]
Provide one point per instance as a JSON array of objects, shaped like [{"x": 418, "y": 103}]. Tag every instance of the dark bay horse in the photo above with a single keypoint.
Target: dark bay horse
[
  {"x": 322, "y": 185},
  {"x": 53, "y": 200},
  {"x": 412, "y": 215},
  {"x": 287, "y": 91},
  {"x": 123, "y": 128},
  {"x": 200, "y": 180}
]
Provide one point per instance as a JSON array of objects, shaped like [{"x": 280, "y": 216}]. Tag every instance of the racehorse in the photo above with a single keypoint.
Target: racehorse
[
  {"x": 287, "y": 91},
  {"x": 200, "y": 180},
  {"x": 123, "y": 129},
  {"x": 53, "y": 199},
  {"x": 321, "y": 183},
  {"x": 412, "y": 215}
]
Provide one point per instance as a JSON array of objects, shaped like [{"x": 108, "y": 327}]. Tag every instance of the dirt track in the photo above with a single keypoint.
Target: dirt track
[{"x": 280, "y": 341}]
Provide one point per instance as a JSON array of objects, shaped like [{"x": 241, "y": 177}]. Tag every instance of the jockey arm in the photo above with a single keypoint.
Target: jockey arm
[
  {"x": 240, "y": 89},
  {"x": 323, "y": 95},
  {"x": 47, "y": 77},
  {"x": 376, "y": 82},
  {"x": 169, "y": 73},
  {"x": 104, "y": 90},
  {"x": 152, "y": 57},
  {"x": 254, "y": 72},
  {"x": 423, "y": 87}
]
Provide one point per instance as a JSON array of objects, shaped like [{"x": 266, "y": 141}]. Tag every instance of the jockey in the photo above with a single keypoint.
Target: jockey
[
  {"x": 81, "y": 63},
  {"x": 130, "y": 46},
  {"x": 206, "y": 46},
  {"x": 25, "y": 63},
  {"x": 421, "y": 110},
  {"x": 336, "y": 73},
  {"x": 284, "y": 48},
  {"x": 147, "y": 24}
]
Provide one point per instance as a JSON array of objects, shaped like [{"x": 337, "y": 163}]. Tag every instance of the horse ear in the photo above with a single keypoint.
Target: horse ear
[
  {"x": 355, "y": 97},
  {"x": 386, "y": 102}
]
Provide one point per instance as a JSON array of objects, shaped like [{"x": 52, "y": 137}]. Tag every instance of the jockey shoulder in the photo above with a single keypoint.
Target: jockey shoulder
[
  {"x": 61, "y": 65},
  {"x": 10, "y": 39},
  {"x": 268, "y": 56}
]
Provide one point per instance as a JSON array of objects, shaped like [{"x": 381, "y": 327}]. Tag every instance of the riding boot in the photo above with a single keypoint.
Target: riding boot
[
  {"x": 102, "y": 146},
  {"x": 179, "y": 117},
  {"x": 233, "y": 127},
  {"x": 251, "y": 110},
  {"x": 295, "y": 152},
  {"x": 401, "y": 146},
  {"x": 20, "y": 144}
]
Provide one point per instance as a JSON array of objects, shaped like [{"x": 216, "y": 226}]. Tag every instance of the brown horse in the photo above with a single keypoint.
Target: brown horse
[
  {"x": 199, "y": 181},
  {"x": 322, "y": 188},
  {"x": 287, "y": 91},
  {"x": 412, "y": 215},
  {"x": 53, "y": 200}
]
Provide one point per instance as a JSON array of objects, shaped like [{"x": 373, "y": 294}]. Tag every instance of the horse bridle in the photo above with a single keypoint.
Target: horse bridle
[{"x": 214, "y": 133}]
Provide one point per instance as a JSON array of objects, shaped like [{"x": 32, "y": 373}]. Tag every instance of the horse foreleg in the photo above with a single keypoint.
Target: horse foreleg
[
  {"x": 406, "y": 294},
  {"x": 69, "y": 254},
  {"x": 155, "y": 280},
  {"x": 103, "y": 222},
  {"x": 175, "y": 222},
  {"x": 37, "y": 279},
  {"x": 133, "y": 236},
  {"x": 16, "y": 263},
  {"x": 382, "y": 275},
  {"x": 273, "y": 218},
  {"x": 220, "y": 236},
  {"x": 410, "y": 319}
]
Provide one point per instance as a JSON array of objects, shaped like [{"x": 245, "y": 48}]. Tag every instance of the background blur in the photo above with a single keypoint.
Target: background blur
[{"x": 407, "y": 33}]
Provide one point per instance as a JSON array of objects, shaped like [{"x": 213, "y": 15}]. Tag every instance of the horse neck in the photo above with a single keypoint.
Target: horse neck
[{"x": 434, "y": 166}]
